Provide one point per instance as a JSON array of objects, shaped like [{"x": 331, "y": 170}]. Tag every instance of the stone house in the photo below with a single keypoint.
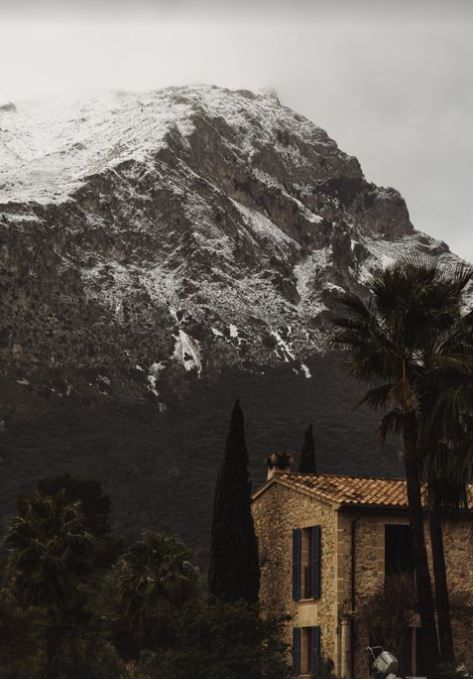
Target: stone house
[{"x": 326, "y": 543}]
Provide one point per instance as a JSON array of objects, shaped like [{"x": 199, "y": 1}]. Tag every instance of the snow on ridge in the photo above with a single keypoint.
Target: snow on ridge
[
  {"x": 384, "y": 253},
  {"x": 52, "y": 146},
  {"x": 49, "y": 148}
]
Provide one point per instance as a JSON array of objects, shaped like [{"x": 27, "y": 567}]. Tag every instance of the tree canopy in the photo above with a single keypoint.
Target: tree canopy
[{"x": 411, "y": 341}]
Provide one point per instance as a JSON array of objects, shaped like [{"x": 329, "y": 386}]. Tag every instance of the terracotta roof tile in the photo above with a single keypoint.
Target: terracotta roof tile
[{"x": 352, "y": 490}]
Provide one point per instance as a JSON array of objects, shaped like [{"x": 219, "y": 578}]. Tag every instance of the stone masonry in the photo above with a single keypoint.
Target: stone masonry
[
  {"x": 278, "y": 508},
  {"x": 276, "y": 513}
]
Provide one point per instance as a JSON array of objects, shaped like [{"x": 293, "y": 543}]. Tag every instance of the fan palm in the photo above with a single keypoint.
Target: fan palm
[
  {"x": 153, "y": 578},
  {"x": 392, "y": 342},
  {"x": 49, "y": 551}
]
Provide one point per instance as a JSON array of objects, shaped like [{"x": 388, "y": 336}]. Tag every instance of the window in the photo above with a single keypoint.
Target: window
[
  {"x": 398, "y": 550},
  {"x": 306, "y": 563},
  {"x": 306, "y": 551},
  {"x": 305, "y": 649}
]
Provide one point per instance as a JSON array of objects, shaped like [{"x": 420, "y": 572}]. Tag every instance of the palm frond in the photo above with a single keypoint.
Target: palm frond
[
  {"x": 353, "y": 304},
  {"x": 378, "y": 397},
  {"x": 461, "y": 363},
  {"x": 451, "y": 413},
  {"x": 391, "y": 423},
  {"x": 447, "y": 466}
]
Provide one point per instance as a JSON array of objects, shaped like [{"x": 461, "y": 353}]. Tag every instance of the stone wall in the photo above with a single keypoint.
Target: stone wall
[
  {"x": 370, "y": 571},
  {"x": 279, "y": 509},
  {"x": 276, "y": 512},
  {"x": 458, "y": 541}
]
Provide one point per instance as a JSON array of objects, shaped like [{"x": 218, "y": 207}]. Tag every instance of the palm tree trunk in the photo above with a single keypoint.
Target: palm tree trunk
[
  {"x": 50, "y": 657},
  {"x": 51, "y": 647},
  {"x": 441, "y": 585},
  {"x": 416, "y": 518}
]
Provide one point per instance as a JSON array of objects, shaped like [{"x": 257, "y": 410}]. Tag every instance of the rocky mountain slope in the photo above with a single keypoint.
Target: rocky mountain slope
[{"x": 161, "y": 254}]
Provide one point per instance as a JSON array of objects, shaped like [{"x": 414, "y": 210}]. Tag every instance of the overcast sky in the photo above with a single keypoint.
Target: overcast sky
[{"x": 390, "y": 81}]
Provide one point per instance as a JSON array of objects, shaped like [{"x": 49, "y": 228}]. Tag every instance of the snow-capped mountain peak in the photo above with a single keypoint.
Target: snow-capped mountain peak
[{"x": 191, "y": 226}]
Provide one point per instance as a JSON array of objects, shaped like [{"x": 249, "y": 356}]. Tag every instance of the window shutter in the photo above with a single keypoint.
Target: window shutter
[
  {"x": 315, "y": 561},
  {"x": 314, "y": 647},
  {"x": 296, "y": 564},
  {"x": 296, "y": 651}
]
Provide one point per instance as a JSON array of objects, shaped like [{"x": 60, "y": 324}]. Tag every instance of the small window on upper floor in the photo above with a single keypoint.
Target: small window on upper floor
[
  {"x": 306, "y": 563},
  {"x": 398, "y": 557}
]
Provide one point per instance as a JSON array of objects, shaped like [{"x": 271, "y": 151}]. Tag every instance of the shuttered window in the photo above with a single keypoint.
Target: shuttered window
[
  {"x": 296, "y": 563},
  {"x": 296, "y": 651},
  {"x": 306, "y": 563},
  {"x": 305, "y": 650},
  {"x": 315, "y": 559},
  {"x": 314, "y": 647}
]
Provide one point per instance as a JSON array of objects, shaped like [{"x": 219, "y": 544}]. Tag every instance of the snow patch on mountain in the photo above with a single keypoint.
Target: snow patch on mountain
[
  {"x": 262, "y": 227},
  {"x": 234, "y": 334},
  {"x": 153, "y": 375},
  {"x": 187, "y": 352},
  {"x": 384, "y": 252},
  {"x": 283, "y": 348},
  {"x": 305, "y": 369},
  {"x": 51, "y": 148},
  {"x": 307, "y": 273}
]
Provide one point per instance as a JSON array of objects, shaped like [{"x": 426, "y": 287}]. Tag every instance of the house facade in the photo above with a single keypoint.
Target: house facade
[{"x": 329, "y": 542}]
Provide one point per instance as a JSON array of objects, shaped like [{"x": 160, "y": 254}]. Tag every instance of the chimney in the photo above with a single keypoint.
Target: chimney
[{"x": 279, "y": 463}]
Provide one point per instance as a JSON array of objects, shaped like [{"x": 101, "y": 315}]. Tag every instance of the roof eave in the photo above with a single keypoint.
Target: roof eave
[
  {"x": 262, "y": 489},
  {"x": 397, "y": 508}
]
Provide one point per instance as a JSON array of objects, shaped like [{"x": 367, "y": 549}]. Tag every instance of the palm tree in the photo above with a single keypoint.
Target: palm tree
[
  {"x": 448, "y": 452},
  {"x": 153, "y": 579},
  {"x": 390, "y": 342},
  {"x": 49, "y": 551}
]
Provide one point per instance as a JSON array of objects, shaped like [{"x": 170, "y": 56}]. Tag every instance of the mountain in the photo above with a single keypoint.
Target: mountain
[{"x": 161, "y": 254}]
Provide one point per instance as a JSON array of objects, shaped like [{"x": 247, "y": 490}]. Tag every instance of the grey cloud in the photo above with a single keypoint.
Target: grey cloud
[{"x": 350, "y": 11}]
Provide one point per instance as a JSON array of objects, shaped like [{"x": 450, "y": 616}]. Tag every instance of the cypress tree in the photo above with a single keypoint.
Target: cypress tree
[
  {"x": 234, "y": 567},
  {"x": 308, "y": 464}
]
